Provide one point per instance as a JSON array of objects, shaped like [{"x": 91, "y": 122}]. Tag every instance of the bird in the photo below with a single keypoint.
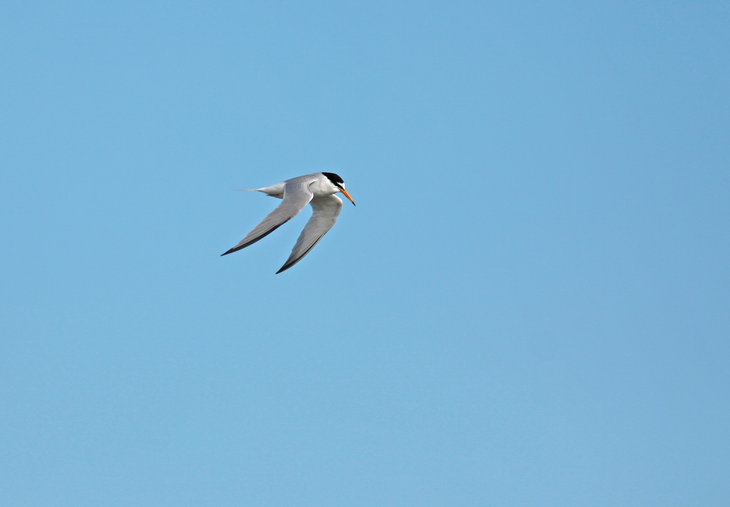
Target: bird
[{"x": 317, "y": 189}]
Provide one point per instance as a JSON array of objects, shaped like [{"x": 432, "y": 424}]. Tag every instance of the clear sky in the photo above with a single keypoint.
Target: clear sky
[{"x": 530, "y": 304}]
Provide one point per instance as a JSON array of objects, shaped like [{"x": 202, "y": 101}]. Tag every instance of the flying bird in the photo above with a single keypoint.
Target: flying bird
[{"x": 317, "y": 189}]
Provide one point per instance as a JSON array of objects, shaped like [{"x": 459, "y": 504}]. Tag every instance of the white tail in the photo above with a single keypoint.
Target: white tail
[{"x": 276, "y": 190}]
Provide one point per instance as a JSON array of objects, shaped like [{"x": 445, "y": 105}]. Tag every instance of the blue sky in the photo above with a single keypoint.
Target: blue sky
[{"x": 528, "y": 306}]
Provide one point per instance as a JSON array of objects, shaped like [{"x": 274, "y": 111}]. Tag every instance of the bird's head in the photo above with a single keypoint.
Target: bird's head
[{"x": 339, "y": 184}]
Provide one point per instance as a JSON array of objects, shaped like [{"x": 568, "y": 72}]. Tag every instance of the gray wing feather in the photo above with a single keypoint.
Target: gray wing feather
[
  {"x": 296, "y": 196},
  {"x": 324, "y": 215}
]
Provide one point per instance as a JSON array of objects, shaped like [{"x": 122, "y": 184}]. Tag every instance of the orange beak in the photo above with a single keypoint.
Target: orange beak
[{"x": 347, "y": 195}]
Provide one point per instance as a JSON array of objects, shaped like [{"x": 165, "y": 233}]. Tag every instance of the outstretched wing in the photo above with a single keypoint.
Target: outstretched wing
[
  {"x": 324, "y": 215},
  {"x": 296, "y": 196}
]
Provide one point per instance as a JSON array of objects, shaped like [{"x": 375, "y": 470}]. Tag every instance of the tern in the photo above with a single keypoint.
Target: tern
[{"x": 317, "y": 189}]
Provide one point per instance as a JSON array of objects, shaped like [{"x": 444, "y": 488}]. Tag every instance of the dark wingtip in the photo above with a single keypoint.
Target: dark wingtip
[{"x": 229, "y": 251}]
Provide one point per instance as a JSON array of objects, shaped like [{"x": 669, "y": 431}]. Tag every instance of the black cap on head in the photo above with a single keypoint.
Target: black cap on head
[{"x": 334, "y": 178}]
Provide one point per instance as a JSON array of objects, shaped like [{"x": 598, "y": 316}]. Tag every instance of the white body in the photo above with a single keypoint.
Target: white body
[{"x": 318, "y": 184}]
